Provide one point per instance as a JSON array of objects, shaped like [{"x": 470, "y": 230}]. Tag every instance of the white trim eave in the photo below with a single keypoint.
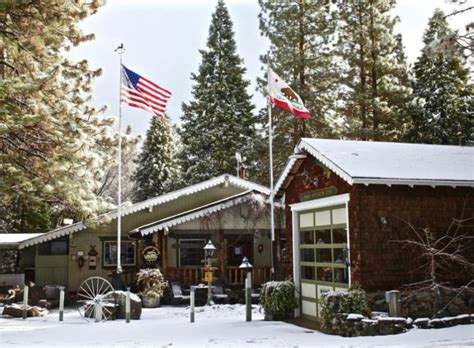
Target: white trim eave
[
  {"x": 302, "y": 145},
  {"x": 432, "y": 183},
  {"x": 193, "y": 189},
  {"x": 195, "y": 213},
  {"x": 57, "y": 233},
  {"x": 320, "y": 202},
  {"x": 284, "y": 174},
  {"x": 66, "y": 230}
]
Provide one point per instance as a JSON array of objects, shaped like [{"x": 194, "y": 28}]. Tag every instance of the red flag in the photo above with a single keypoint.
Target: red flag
[{"x": 282, "y": 96}]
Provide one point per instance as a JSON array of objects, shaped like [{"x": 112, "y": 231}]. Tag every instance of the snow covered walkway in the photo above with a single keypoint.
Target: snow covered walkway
[{"x": 215, "y": 326}]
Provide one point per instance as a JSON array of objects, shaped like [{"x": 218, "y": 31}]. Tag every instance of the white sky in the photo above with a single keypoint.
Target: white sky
[{"x": 162, "y": 39}]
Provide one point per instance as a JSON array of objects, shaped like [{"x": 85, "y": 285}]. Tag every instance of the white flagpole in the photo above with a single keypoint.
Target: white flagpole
[
  {"x": 120, "y": 51},
  {"x": 270, "y": 139}
]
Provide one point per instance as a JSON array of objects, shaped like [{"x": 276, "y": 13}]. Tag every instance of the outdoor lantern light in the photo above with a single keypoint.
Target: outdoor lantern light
[
  {"x": 209, "y": 249},
  {"x": 226, "y": 181},
  {"x": 245, "y": 263}
]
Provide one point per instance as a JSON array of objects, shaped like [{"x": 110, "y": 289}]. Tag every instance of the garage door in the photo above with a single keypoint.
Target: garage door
[{"x": 323, "y": 249}]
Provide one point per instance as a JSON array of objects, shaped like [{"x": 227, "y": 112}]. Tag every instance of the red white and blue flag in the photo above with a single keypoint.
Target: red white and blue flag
[{"x": 140, "y": 92}]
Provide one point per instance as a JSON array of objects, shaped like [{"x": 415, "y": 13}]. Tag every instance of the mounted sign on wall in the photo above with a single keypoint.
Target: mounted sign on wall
[{"x": 325, "y": 192}]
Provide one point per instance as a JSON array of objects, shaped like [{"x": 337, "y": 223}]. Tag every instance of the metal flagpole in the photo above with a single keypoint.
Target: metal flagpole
[
  {"x": 270, "y": 139},
  {"x": 120, "y": 50}
]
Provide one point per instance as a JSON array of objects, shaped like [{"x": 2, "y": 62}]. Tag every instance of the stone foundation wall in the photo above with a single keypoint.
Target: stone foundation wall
[
  {"x": 427, "y": 303},
  {"x": 353, "y": 325}
]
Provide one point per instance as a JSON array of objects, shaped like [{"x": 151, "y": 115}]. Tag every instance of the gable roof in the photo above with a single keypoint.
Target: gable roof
[
  {"x": 195, "y": 213},
  {"x": 370, "y": 162},
  {"x": 224, "y": 179}
]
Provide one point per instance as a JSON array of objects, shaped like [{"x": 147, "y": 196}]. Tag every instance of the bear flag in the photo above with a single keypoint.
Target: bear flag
[{"x": 282, "y": 96}]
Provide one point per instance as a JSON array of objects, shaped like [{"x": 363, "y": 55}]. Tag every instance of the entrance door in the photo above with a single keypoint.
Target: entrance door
[{"x": 323, "y": 249}]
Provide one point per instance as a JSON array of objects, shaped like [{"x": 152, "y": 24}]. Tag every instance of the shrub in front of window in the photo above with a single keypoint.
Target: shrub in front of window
[
  {"x": 278, "y": 300},
  {"x": 335, "y": 303},
  {"x": 151, "y": 282}
]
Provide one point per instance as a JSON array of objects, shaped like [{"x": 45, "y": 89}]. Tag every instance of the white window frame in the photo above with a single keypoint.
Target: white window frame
[{"x": 104, "y": 262}]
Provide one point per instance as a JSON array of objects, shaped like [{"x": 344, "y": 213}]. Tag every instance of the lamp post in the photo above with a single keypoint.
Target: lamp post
[
  {"x": 209, "y": 249},
  {"x": 248, "y": 286}
]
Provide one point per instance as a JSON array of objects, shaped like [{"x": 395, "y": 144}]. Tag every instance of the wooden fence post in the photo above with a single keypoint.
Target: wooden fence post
[
  {"x": 25, "y": 301},
  {"x": 61, "y": 304}
]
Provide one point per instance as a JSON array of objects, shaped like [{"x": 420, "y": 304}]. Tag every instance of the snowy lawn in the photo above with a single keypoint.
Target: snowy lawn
[{"x": 220, "y": 325}]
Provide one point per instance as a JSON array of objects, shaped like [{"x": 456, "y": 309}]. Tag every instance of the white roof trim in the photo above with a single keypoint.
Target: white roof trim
[
  {"x": 285, "y": 173},
  {"x": 67, "y": 230},
  {"x": 411, "y": 183},
  {"x": 57, "y": 233},
  {"x": 195, "y": 213},
  {"x": 351, "y": 180},
  {"x": 193, "y": 189},
  {"x": 324, "y": 160}
]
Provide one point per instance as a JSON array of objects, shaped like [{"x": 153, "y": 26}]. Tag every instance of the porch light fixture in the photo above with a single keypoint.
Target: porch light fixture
[
  {"x": 209, "y": 249},
  {"x": 245, "y": 263},
  {"x": 226, "y": 181}
]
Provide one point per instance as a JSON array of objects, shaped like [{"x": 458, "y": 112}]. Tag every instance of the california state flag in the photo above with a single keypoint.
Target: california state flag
[{"x": 282, "y": 96}]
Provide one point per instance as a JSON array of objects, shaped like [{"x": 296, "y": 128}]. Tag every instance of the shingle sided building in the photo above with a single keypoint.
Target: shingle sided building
[{"x": 349, "y": 207}]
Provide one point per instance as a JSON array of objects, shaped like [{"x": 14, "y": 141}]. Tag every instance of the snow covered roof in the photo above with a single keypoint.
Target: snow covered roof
[
  {"x": 370, "y": 162},
  {"x": 8, "y": 240},
  {"x": 224, "y": 179},
  {"x": 195, "y": 213}
]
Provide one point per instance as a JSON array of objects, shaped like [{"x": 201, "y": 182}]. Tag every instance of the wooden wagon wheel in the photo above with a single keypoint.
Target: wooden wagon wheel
[{"x": 96, "y": 299}]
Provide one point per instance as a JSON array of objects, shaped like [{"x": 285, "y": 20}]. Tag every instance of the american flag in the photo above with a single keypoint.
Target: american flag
[{"x": 140, "y": 92}]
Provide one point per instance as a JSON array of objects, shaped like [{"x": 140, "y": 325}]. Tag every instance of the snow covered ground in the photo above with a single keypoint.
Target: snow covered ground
[{"x": 216, "y": 326}]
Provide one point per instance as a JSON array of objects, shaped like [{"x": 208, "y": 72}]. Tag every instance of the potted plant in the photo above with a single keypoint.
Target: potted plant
[{"x": 152, "y": 284}]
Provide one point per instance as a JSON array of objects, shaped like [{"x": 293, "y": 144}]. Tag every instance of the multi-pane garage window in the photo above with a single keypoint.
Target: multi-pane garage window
[{"x": 323, "y": 246}]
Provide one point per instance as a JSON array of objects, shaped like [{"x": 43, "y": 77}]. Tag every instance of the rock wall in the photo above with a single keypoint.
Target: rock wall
[{"x": 426, "y": 303}]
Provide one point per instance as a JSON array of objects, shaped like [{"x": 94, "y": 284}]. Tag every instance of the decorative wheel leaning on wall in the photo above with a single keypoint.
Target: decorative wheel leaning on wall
[{"x": 96, "y": 299}]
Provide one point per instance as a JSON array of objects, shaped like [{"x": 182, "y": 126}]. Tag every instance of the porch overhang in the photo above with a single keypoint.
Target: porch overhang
[{"x": 197, "y": 213}]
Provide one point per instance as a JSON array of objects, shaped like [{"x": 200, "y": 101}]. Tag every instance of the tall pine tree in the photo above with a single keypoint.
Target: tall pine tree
[
  {"x": 300, "y": 34},
  {"x": 374, "y": 89},
  {"x": 218, "y": 122},
  {"x": 53, "y": 144},
  {"x": 158, "y": 171},
  {"x": 444, "y": 96}
]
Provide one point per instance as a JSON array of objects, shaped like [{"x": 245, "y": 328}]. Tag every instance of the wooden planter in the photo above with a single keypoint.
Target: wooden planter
[{"x": 150, "y": 302}]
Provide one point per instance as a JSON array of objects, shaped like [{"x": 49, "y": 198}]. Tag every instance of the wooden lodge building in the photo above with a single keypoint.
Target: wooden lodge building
[
  {"x": 168, "y": 231},
  {"x": 349, "y": 206}
]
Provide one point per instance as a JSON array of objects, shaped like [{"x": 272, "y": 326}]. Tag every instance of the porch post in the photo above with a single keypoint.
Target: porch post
[
  {"x": 278, "y": 265},
  {"x": 164, "y": 253},
  {"x": 221, "y": 255}
]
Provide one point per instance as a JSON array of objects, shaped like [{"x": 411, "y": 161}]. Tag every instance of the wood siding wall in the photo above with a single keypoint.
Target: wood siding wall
[{"x": 378, "y": 262}]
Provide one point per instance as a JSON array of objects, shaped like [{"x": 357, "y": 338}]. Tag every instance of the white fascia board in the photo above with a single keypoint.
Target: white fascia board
[
  {"x": 432, "y": 183},
  {"x": 193, "y": 189},
  {"x": 195, "y": 214},
  {"x": 325, "y": 161},
  {"x": 284, "y": 174},
  {"x": 321, "y": 202},
  {"x": 57, "y": 233}
]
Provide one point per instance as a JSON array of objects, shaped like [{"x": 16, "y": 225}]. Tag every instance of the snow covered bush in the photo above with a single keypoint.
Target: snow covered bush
[
  {"x": 278, "y": 299},
  {"x": 337, "y": 302},
  {"x": 151, "y": 282}
]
